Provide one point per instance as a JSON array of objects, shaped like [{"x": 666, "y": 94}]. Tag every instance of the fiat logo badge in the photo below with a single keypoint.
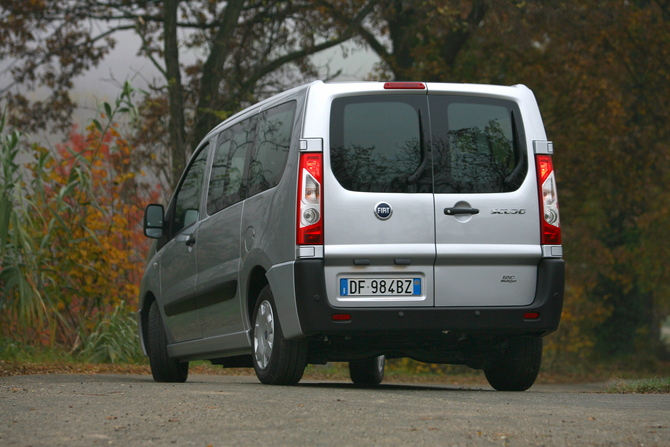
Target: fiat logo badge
[{"x": 383, "y": 211}]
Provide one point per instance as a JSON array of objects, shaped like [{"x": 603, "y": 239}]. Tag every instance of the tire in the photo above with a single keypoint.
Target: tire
[
  {"x": 163, "y": 368},
  {"x": 277, "y": 361},
  {"x": 367, "y": 371},
  {"x": 517, "y": 369}
]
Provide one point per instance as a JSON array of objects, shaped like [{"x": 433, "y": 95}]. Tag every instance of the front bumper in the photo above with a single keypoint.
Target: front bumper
[{"x": 316, "y": 314}]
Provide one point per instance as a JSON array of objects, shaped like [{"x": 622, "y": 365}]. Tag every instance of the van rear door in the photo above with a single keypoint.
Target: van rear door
[
  {"x": 486, "y": 203},
  {"x": 379, "y": 235}
]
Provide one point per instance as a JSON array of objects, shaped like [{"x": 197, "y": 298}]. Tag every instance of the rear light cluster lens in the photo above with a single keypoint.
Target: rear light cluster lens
[
  {"x": 310, "y": 201},
  {"x": 551, "y": 222},
  {"x": 404, "y": 86}
]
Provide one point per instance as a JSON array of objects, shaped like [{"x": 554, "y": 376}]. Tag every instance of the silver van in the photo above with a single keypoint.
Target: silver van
[{"x": 359, "y": 222}]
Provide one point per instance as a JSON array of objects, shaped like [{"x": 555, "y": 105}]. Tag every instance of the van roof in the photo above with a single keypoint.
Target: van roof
[{"x": 515, "y": 91}]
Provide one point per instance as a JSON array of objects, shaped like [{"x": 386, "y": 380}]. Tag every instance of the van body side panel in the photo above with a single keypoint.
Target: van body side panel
[
  {"x": 218, "y": 291},
  {"x": 237, "y": 343},
  {"x": 178, "y": 276},
  {"x": 268, "y": 225},
  {"x": 179, "y": 256}
]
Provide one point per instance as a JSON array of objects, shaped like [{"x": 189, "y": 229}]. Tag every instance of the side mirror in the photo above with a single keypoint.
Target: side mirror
[{"x": 153, "y": 221}]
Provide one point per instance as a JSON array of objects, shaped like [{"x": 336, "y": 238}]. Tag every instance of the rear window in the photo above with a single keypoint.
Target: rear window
[
  {"x": 476, "y": 145},
  {"x": 388, "y": 144},
  {"x": 377, "y": 143}
]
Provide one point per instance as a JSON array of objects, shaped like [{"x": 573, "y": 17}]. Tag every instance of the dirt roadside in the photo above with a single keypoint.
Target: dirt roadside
[{"x": 547, "y": 381}]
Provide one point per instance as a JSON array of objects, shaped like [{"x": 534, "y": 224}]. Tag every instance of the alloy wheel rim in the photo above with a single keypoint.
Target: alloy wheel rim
[{"x": 264, "y": 335}]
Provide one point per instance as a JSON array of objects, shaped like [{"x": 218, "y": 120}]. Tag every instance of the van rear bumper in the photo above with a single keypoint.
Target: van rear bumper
[{"x": 316, "y": 314}]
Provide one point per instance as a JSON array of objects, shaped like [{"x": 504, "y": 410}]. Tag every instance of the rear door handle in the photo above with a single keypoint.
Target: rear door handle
[
  {"x": 455, "y": 211},
  {"x": 190, "y": 241}
]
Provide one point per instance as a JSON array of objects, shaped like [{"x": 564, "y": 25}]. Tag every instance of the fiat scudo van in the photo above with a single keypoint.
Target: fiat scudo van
[{"x": 360, "y": 222}]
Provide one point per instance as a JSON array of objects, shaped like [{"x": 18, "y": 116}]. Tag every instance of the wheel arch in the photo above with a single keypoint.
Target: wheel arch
[
  {"x": 256, "y": 282},
  {"x": 143, "y": 320},
  {"x": 280, "y": 277}
]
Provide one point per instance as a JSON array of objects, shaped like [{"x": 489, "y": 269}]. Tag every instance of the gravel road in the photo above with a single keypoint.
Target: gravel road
[{"x": 87, "y": 410}]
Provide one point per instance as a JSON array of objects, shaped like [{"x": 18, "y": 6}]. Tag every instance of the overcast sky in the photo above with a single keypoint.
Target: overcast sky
[{"x": 102, "y": 83}]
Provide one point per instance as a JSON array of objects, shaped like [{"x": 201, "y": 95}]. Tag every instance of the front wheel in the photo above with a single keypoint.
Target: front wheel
[
  {"x": 277, "y": 361},
  {"x": 163, "y": 368},
  {"x": 367, "y": 371},
  {"x": 519, "y": 365}
]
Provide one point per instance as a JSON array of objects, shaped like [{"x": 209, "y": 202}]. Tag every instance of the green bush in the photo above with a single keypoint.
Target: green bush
[{"x": 114, "y": 340}]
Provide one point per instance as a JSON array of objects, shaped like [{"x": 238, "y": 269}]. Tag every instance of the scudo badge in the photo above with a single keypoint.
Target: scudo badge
[
  {"x": 383, "y": 211},
  {"x": 508, "y": 211}
]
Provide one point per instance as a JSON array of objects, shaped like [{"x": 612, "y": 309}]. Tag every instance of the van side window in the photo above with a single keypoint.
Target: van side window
[
  {"x": 271, "y": 149},
  {"x": 226, "y": 184},
  {"x": 378, "y": 143},
  {"x": 187, "y": 198},
  {"x": 476, "y": 145}
]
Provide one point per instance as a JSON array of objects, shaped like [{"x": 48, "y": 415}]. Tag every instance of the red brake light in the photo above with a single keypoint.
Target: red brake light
[
  {"x": 544, "y": 166},
  {"x": 310, "y": 199},
  {"x": 549, "y": 216},
  {"x": 404, "y": 86}
]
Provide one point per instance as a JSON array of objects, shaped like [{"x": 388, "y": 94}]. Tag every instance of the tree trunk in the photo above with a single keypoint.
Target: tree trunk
[
  {"x": 402, "y": 31},
  {"x": 212, "y": 73},
  {"x": 459, "y": 35},
  {"x": 175, "y": 91},
  {"x": 406, "y": 23}
]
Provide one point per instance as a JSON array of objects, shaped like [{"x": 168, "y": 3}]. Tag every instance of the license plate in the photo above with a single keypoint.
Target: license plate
[{"x": 380, "y": 287}]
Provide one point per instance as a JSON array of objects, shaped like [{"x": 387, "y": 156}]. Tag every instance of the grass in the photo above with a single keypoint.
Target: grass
[
  {"x": 646, "y": 386},
  {"x": 15, "y": 351}
]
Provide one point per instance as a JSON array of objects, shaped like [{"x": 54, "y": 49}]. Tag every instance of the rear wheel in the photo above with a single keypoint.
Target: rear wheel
[
  {"x": 277, "y": 361},
  {"x": 367, "y": 371},
  {"x": 517, "y": 369},
  {"x": 163, "y": 368}
]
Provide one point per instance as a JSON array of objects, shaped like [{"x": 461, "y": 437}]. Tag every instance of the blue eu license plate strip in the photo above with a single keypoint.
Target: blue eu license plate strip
[{"x": 380, "y": 287}]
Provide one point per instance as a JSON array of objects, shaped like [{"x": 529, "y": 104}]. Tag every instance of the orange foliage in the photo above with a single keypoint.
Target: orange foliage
[{"x": 98, "y": 257}]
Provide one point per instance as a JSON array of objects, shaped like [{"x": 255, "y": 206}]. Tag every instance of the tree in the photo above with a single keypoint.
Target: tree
[
  {"x": 251, "y": 48},
  {"x": 601, "y": 73},
  {"x": 425, "y": 38}
]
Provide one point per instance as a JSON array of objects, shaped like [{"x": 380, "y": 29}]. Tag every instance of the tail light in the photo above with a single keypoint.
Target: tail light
[
  {"x": 404, "y": 86},
  {"x": 310, "y": 199},
  {"x": 551, "y": 222}
]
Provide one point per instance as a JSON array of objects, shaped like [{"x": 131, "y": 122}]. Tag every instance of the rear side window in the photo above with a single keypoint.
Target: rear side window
[
  {"x": 187, "y": 200},
  {"x": 226, "y": 184},
  {"x": 270, "y": 152},
  {"x": 377, "y": 143},
  {"x": 477, "y": 147}
]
